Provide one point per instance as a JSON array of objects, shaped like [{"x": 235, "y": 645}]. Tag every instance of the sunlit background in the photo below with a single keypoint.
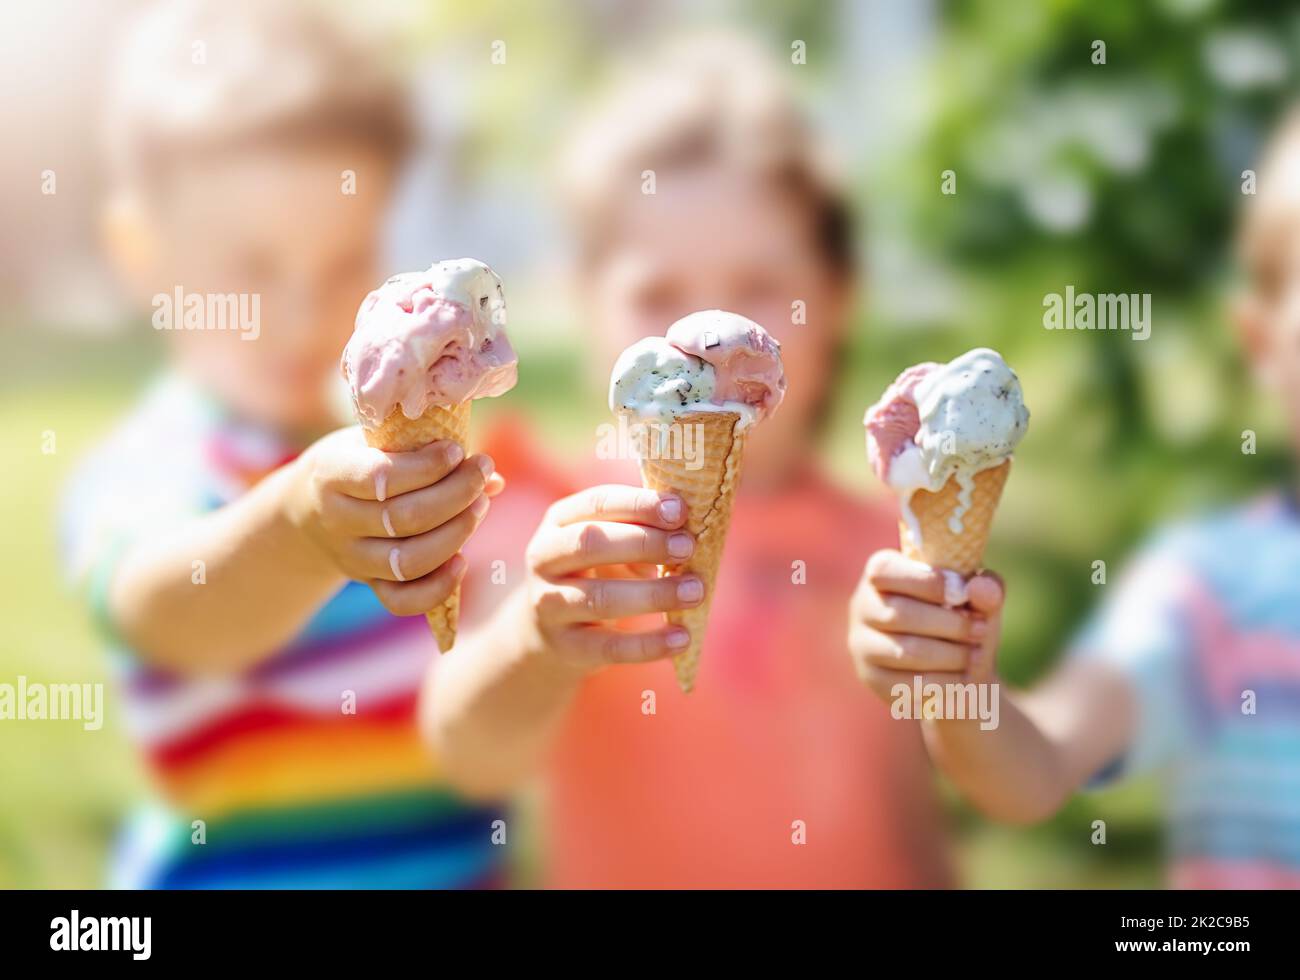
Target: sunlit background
[{"x": 1115, "y": 177}]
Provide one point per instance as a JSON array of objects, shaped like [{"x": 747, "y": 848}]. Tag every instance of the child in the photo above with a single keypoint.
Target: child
[
  {"x": 1192, "y": 667},
  {"x": 776, "y": 771},
  {"x": 215, "y": 531}
]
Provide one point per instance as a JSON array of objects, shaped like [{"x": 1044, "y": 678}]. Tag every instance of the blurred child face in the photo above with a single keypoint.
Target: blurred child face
[
  {"x": 708, "y": 239},
  {"x": 1271, "y": 331},
  {"x": 276, "y": 224}
]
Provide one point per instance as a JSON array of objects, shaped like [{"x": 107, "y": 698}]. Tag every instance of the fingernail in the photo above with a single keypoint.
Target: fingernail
[
  {"x": 388, "y": 524},
  {"x": 486, "y": 464},
  {"x": 680, "y": 545},
  {"x": 691, "y": 590},
  {"x": 457, "y": 565},
  {"x": 671, "y": 509},
  {"x": 455, "y": 454},
  {"x": 678, "y": 639},
  {"x": 381, "y": 485},
  {"x": 393, "y": 557},
  {"x": 479, "y": 507}
]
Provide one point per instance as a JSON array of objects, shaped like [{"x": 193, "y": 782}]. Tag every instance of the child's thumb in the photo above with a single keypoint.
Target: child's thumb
[{"x": 986, "y": 593}]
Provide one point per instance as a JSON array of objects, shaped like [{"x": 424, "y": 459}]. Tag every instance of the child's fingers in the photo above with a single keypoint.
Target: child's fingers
[
  {"x": 416, "y": 511},
  {"x": 410, "y": 558},
  {"x": 616, "y": 502},
  {"x": 890, "y": 571},
  {"x": 577, "y": 547},
  {"x": 986, "y": 593},
  {"x": 595, "y": 646},
  {"x": 907, "y": 652},
  {"x": 371, "y": 474},
  {"x": 495, "y": 484},
  {"x": 423, "y": 594},
  {"x": 901, "y": 614},
  {"x": 588, "y": 600},
  {"x": 414, "y": 471}
]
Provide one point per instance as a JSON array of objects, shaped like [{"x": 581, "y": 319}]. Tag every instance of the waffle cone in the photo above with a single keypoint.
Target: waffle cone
[
  {"x": 939, "y": 546},
  {"x": 708, "y": 493},
  {"x": 398, "y": 434}
]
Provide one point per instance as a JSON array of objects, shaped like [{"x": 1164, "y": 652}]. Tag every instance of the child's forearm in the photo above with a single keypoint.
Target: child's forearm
[
  {"x": 1049, "y": 742},
  {"x": 1011, "y": 773},
  {"x": 226, "y": 590},
  {"x": 491, "y": 708}
]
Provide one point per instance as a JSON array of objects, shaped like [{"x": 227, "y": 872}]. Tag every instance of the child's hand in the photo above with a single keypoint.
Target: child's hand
[
  {"x": 578, "y": 562},
  {"x": 396, "y": 521},
  {"x": 899, "y": 627}
]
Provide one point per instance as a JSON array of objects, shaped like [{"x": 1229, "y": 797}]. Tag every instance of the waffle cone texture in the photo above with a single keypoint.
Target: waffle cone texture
[
  {"x": 398, "y": 434},
  {"x": 940, "y": 546},
  {"x": 708, "y": 492}
]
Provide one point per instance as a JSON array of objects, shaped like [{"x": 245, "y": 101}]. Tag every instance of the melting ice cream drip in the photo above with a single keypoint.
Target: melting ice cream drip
[{"x": 966, "y": 482}]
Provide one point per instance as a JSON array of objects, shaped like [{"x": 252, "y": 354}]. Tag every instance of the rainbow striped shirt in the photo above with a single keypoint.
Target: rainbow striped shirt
[
  {"x": 306, "y": 771},
  {"x": 1206, "y": 625}
]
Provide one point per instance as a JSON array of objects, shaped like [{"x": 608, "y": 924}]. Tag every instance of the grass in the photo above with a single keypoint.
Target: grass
[{"x": 65, "y": 788}]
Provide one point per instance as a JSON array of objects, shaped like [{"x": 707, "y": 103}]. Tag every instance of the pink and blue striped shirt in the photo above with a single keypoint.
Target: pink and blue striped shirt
[{"x": 1206, "y": 626}]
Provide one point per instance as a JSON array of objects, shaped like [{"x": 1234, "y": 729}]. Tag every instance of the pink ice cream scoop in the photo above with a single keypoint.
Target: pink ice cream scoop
[
  {"x": 893, "y": 421},
  {"x": 430, "y": 338},
  {"x": 746, "y": 359}
]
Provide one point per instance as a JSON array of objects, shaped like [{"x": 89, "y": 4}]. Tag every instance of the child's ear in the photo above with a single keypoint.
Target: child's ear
[
  {"x": 131, "y": 243},
  {"x": 1250, "y": 317}
]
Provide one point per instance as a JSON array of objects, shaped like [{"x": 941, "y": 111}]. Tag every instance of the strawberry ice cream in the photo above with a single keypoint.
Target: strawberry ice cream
[
  {"x": 430, "y": 338},
  {"x": 746, "y": 360},
  {"x": 894, "y": 420}
]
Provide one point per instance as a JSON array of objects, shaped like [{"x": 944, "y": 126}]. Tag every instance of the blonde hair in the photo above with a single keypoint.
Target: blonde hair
[
  {"x": 704, "y": 100},
  {"x": 1273, "y": 212},
  {"x": 193, "y": 76}
]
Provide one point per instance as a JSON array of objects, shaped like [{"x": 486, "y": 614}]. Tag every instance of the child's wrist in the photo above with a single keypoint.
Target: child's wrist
[{"x": 939, "y": 732}]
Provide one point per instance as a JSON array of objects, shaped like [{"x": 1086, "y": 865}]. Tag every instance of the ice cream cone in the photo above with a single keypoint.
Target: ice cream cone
[
  {"x": 708, "y": 492},
  {"x": 940, "y": 546},
  {"x": 398, "y": 434}
]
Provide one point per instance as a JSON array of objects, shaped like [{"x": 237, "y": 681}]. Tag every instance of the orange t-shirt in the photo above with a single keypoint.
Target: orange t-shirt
[{"x": 781, "y": 769}]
